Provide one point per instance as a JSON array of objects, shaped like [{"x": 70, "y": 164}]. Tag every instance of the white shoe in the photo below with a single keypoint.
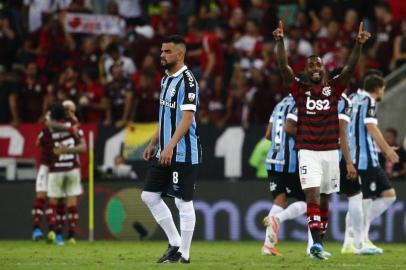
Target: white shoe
[
  {"x": 371, "y": 245},
  {"x": 266, "y": 250},
  {"x": 365, "y": 250},
  {"x": 272, "y": 227}
]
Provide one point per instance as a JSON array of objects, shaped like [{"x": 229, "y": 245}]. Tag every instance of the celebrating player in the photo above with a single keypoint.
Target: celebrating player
[
  {"x": 317, "y": 131},
  {"x": 64, "y": 175},
  {"x": 173, "y": 169},
  {"x": 281, "y": 164},
  {"x": 365, "y": 134}
]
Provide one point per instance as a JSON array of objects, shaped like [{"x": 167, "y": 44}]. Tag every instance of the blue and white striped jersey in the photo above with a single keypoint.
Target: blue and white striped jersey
[
  {"x": 364, "y": 110},
  {"x": 344, "y": 113},
  {"x": 282, "y": 155},
  {"x": 179, "y": 92}
]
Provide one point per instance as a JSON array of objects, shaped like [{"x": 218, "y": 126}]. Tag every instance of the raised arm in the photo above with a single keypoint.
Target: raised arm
[
  {"x": 286, "y": 71},
  {"x": 349, "y": 68}
]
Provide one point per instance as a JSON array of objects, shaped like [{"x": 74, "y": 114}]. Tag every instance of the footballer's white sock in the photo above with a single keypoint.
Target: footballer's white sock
[
  {"x": 309, "y": 240},
  {"x": 162, "y": 215},
  {"x": 274, "y": 210},
  {"x": 187, "y": 225},
  {"x": 355, "y": 219},
  {"x": 366, "y": 207},
  {"x": 379, "y": 206},
  {"x": 292, "y": 211}
]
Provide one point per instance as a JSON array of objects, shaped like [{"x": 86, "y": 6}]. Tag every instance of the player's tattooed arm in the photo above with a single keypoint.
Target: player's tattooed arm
[
  {"x": 77, "y": 149},
  {"x": 349, "y": 68},
  {"x": 287, "y": 73}
]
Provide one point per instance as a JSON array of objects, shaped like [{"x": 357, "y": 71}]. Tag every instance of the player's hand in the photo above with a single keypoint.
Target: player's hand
[
  {"x": 351, "y": 172},
  {"x": 149, "y": 151},
  {"x": 278, "y": 32},
  {"x": 363, "y": 35},
  {"x": 391, "y": 155},
  {"x": 165, "y": 158},
  {"x": 60, "y": 150}
]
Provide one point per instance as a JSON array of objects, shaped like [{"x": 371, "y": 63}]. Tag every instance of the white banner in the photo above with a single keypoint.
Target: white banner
[{"x": 94, "y": 24}]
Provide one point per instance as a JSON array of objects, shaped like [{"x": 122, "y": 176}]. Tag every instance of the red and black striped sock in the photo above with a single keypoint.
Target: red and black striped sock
[
  {"x": 60, "y": 217},
  {"x": 73, "y": 218},
  {"x": 37, "y": 212},
  {"x": 51, "y": 216},
  {"x": 314, "y": 221},
  {"x": 324, "y": 221}
]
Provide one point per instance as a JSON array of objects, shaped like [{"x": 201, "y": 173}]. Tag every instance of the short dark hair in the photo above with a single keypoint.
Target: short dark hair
[
  {"x": 112, "y": 48},
  {"x": 177, "y": 39},
  {"x": 393, "y": 131},
  {"x": 372, "y": 82},
  {"x": 57, "y": 111},
  {"x": 372, "y": 71},
  {"x": 383, "y": 5}
]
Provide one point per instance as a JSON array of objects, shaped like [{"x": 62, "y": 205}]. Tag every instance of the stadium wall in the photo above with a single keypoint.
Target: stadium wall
[{"x": 224, "y": 210}]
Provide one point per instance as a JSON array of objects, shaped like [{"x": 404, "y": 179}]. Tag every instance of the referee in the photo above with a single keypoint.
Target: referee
[{"x": 174, "y": 152}]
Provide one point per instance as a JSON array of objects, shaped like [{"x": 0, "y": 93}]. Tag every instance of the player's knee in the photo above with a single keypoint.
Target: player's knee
[
  {"x": 389, "y": 194},
  {"x": 150, "y": 198},
  {"x": 187, "y": 214},
  {"x": 184, "y": 206}
]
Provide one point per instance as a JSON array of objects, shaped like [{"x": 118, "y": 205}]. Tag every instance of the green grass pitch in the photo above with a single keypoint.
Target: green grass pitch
[{"x": 114, "y": 255}]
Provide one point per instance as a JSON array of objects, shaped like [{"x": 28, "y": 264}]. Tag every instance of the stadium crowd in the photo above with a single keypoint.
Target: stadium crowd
[{"x": 116, "y": 79}]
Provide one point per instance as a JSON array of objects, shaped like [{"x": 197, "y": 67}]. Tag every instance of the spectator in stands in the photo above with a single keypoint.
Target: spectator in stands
[
  {"x": 69, "y": 85},
  {"x": 88, "y": 56},
  {"x": 33, "y": 11},
  {"x": 321, "y": 22},
  {"x": 304, "y": 47},
  {"x": 78, "y": 6},
  {"x": 331, "y": 41},
  {"x": 147, "y": 83},
  {"x": 238, "y": 100},
  {"x": 399, "y": 47},
  {"x": 114, "y": 57},
  {"x": 34, "y": 97},
  {"x": 385, "y": 35},
  {"x": 94, "y": 103},
  {"x": 349, "y": 28},
  {"x": 166, "y": 19},
  {"x": 7, "y": 42},
  {"x": 121, "y": 95},
  {"x": 249, "y": 45},
  {"x": 8, "y": 98},
  {"x": 56, "y": 45},
  {"x": 130, "y": 10},
  {"x": 296, "y": 58},
  {"x": 394, "y": 170}
]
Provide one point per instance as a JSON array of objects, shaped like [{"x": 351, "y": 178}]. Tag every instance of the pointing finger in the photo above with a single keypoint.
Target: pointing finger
[{"x": 361, "y": 27}]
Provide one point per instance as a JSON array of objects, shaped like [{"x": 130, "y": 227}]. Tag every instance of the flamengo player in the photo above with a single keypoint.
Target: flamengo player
[
  {"x": 41, "y": 183},
  {"x": 64, "y": 174},
  {"x": 317, "y": 131}
]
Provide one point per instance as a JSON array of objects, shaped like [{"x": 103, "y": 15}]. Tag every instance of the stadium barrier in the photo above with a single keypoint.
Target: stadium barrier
[{"x": 224, "y": 210}]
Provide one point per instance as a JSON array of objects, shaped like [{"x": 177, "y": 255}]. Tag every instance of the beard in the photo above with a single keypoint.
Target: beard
[{"x": 167, "y": 66}]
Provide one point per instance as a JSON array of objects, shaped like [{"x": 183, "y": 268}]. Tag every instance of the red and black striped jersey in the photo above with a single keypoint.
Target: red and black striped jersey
[
  {"x": 52, "y": 139},
  {"x": 317, "y": 126}
]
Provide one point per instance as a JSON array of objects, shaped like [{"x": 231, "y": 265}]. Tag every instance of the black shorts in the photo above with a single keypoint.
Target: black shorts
[
  {"x": 177, "y": 180},
  {"x": 374, "y": 181},
  {"x": 288, "y": 183},
  {"x": 348, "y": 187}
]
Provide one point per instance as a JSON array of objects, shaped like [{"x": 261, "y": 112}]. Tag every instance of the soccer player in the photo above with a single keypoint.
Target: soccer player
[
  {"x": 173, "y": 167},
  {"x": 64, "y": 175},
  {"x": 317, "y": 131},
  {"x": 365, "y": 134},
  {"x": 281, "y": 164},
  {"x": 41, "y": 183}
]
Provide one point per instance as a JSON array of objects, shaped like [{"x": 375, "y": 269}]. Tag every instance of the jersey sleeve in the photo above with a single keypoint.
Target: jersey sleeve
[
  {"x": 292, "y": 114},
  {"x": 295, "y": 87},
  {"x": 337, "y": 85},
  {"x": 344, "y": 110},
  {"x": 191, "y": 93},
  {"x": 370, "y": 116}
]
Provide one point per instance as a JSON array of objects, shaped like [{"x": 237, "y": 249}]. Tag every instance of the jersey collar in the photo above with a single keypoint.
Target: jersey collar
[{"x": 177, "y": 73}]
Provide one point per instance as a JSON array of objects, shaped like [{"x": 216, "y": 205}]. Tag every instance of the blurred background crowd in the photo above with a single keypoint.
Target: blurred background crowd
[{"x": 115, "y": 79}]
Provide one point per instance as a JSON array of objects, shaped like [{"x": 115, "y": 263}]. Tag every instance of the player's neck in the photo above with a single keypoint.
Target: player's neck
[{"x": 175, "y": 68}]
